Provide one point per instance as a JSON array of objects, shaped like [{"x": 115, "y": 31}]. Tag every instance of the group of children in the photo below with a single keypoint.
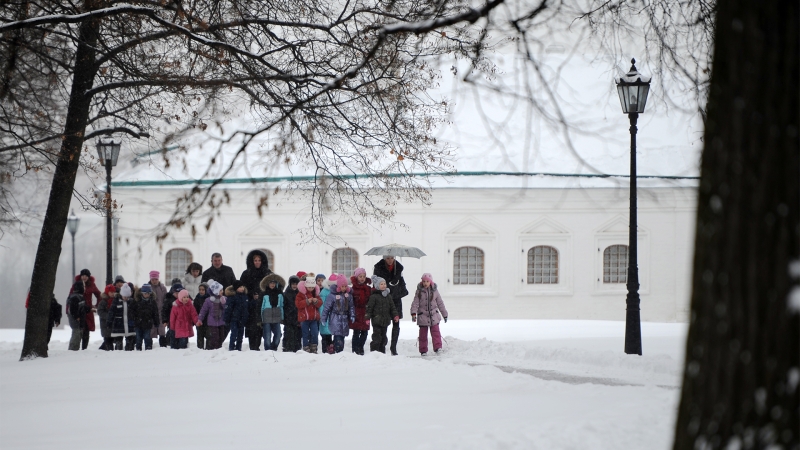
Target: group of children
[{"x": 308, "y": 306}]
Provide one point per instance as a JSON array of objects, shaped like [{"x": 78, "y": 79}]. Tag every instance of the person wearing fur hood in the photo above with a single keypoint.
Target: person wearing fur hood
[
  {"x": 183, "y": 319},
  {"x": 272, "y": 310},
  {"x": 308, "y": 303},
  {"x": 236, "y": 311},
  {"x": 361, "y": 291},
  {"x": 427, "y": 311},
  {"x": 212, "y": 316}
]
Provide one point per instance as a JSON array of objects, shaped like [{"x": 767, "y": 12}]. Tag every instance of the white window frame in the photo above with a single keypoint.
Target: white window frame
[
  {"x": 348, "y": 272},
  {"x": 562, "y": 242},
  {"x": 604, "y": 240},
  {"x": 181, "y": 271}
]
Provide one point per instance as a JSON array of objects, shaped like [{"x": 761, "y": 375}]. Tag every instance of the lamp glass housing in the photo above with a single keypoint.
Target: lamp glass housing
[
  {"x": 633, "y": 89},
  {"x": 72, "y": 222},
  {"x": 108, "y": 151}
]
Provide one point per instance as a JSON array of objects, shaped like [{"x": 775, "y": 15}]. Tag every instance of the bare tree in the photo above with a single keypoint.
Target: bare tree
[{"x": 742, "y": 370}]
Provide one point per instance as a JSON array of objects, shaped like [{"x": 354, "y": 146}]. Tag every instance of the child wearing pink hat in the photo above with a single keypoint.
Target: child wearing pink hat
[
  {"x": 338, "y": 312},
  {"x": 427, "y": 310},
  {"x": 182, "y": 319}
]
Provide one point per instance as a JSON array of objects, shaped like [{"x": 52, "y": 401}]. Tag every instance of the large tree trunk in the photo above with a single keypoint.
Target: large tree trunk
[
  {"x": 740, "y": 385},
  {"x": 43, "y": 278}
]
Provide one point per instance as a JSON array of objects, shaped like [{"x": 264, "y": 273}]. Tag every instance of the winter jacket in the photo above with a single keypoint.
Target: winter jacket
[
  {"x": 394, "y": 281},
  {"x": 200, "y": 300},
  {"x": 307, "y": 311},
  {"x": 380, "y": 309},
  {"x": 169, "y": 302},
  {"x": 76, "y": 308},
  {"x": 289, "y": 306},
  {"x": 254, "y": 303},
  {"x": 251, "y": 277},
  {"x": 236, "y": 308},
  {"x": 224, "y": 275},
  {"x": 145, "y": 311},
  {"x": 339, "y": 312},
  {"x": 90, "y": 288},
  {"x": 103, "y": 306},
  {"x": 361, "y": 293},
  {"x": 213, "y": 311},
  {"x": 182, "y": 319},
  {"x": 427, "y": 304},
  {"x": 159, "y": 295},
  {"x": 323, "y": 324},
  {"x": 120, "y": 317},
  {"x": 191, "y": 284},
  {"x": 272, "y": 303}
]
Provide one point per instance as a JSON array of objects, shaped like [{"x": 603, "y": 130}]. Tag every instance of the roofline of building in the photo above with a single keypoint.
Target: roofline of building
[{"x": 256, "y": 180}]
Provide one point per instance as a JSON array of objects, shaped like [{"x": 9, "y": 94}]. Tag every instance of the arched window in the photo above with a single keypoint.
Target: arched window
[
  {"x": 270, "y": 259},
  {"x": 542, "y": 265},
  {"x": 615, "y": 264},
  {"x": 468, "y": 265},
  {"x": 178, "y": 259},
  {"x": 344, "y": 261}
]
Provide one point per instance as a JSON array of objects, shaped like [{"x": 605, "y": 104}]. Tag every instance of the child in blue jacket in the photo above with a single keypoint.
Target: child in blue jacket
[{"x": 272, "y": 310}]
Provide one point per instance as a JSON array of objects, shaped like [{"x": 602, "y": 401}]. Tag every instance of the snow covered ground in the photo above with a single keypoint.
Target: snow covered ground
[{"x": 524, "y": 384}]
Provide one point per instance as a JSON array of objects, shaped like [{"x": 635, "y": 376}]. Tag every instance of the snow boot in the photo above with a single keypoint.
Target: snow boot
[
  {"x": 313, "y": 348},
  {"x": 395, "y": 336},
  {"x": 307, "y": 349}
]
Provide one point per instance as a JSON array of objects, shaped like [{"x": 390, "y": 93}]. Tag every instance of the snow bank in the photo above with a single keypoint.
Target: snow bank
[{"x": 529, "y": 389}]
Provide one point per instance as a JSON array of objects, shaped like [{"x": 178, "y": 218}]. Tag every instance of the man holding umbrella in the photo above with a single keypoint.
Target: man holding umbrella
[{"x": 392, "y": 271}]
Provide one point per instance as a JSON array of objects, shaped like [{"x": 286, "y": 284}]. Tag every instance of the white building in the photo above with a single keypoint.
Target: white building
[{"x": 556, "y": 249}]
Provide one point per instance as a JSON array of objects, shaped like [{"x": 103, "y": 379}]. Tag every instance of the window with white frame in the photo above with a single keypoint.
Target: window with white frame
[
  {"x": 270, "y": 259},
  {"x": 178, "y": 259},
  {"x": 344, "y": 261},
  {"x": 542, "y": 265},
  {"x": 615, "y": 264},
  {"x": 468, "y": 265}
]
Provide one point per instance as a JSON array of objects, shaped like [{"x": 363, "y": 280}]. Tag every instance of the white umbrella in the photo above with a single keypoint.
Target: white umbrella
[{"x": 396, "y": 250}]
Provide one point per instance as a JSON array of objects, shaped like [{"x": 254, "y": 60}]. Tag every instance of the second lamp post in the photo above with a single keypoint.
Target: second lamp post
[
  {"x": 108, "y": 152},
  {"x": 633, "y": 88}
]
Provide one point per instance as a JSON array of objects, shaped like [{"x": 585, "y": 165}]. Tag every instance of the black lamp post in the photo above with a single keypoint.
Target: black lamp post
[
  {"x": 108, "y": 152},
  {"x": 72, "y": 226},
  {"x": 633, "y": 88}
]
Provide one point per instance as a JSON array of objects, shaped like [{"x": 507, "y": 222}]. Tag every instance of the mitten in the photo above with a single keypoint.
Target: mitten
[{"x": 445, "y": 320}]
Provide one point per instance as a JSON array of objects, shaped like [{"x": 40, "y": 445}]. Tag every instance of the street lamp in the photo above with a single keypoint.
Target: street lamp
[
  {"x": 633, "y": 88},
  {"x": 108, "y": 152},
  {"x": 72, "y": 225}
]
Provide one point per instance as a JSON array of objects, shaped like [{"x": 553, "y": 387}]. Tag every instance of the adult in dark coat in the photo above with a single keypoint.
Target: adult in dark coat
[
  {"x": 392, "y": 271},
  {"x": 219, "y": 272},
  {"x": 292, "y": 334},
  {"x": 257, "y": 269},
  {"x": 55, "y": 316}
]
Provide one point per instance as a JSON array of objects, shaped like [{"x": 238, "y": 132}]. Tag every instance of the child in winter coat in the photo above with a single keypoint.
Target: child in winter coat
[
  {"x": 166, "y": 310},
  {"x": 183, "y": 318},
  {"x": 425, "y": 310},
  {"x": 339, "y": 312},
  {"x": 199, "y": 301},
  {"x": 308, "y": 304},
  {"x": 212, "y": 316},
  {"x": 324, "y": 330},
  {"x": 381, "y": 311},
  {"x": 145, "y": 316},
  {"x": 121, "y": 319},
  {"x": 103, "y": 307},
  {"x": 236, "y": 311},
  {"x": 361, "y": 291},
  {"x": 292, "y": 332},
  {"x": 272, "y": 310}
]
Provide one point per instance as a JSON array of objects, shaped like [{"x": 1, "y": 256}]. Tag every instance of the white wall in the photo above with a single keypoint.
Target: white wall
[{"x": 504, "y": 223}]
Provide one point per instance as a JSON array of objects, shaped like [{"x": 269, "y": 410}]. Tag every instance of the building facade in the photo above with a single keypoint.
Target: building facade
[{"x": 544, "y": 252}]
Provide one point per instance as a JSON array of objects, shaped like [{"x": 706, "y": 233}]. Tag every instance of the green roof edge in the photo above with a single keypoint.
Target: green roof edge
[{"x": 388, "y": 175}]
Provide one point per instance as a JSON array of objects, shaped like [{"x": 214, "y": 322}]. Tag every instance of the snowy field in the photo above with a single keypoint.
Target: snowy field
[{"x": 522, "y": 384}]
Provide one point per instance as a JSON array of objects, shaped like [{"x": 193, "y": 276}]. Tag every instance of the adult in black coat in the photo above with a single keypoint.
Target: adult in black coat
[
  {"x": 219, "y": 272},
  {"x": 257, "y": 269},
  {"x": 291, "y": 326},
  {"x": 55, "y": 316},
  {"x": 392, "y": 271}
]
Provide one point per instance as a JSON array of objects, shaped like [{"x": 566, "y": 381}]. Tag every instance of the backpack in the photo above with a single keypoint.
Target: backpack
[{"x": 77, "y": 306}]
